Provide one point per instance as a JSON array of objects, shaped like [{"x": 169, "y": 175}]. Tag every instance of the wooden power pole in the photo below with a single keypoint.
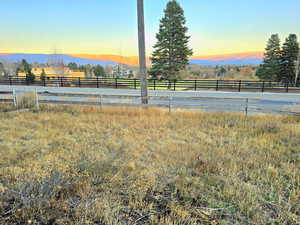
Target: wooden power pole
[{"x": 142, "y": 52}]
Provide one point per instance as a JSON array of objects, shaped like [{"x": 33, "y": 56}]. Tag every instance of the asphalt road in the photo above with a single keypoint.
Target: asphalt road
[{"x": 275, "y": 103}]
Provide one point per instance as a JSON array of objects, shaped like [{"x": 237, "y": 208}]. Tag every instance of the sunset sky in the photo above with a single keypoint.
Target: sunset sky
[{"x": 109, "y": 26}]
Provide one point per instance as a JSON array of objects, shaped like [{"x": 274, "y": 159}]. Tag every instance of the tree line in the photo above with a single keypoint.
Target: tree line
[
  {"x": 281, "y": 63},
  {"x": 89, "y": 70}
]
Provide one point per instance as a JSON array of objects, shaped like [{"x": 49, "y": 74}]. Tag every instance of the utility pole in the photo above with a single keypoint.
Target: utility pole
[
  {"x": 142, "y": 52},
  {"x": 297, "y": 68}
]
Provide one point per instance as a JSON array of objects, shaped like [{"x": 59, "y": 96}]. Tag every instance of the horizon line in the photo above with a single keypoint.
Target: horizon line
[{"x": 107, "y": 54}]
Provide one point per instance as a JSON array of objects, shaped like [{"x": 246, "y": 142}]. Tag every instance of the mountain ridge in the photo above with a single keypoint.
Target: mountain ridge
[{"x": 246, "y": 58}]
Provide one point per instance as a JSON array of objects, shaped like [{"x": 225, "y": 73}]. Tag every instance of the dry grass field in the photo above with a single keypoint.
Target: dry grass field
[{"x": 117, "y": 166}]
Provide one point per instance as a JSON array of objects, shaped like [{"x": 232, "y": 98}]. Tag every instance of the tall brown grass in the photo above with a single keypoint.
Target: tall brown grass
[
  {"x": 109, "y": 166},
  {"x": 26, "y": 100}
]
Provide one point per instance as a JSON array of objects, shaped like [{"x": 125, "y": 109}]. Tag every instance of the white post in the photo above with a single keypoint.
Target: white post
[
  {"x": 37, "y": 98},
  {"x": 15, "y": 97},
  {"x": 170, "y": 103},
  {"x": 297, "y": 68},
  {"x": 100, "y": 100}
]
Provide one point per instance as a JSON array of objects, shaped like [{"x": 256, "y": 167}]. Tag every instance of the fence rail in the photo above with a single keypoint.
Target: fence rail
[{"x": 175, "y": 85}]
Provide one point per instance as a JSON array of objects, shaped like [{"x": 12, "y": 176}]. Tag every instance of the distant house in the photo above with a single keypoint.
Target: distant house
[
  {"x": 121, "y": 71},
  {"x": 52, "y": 72}
]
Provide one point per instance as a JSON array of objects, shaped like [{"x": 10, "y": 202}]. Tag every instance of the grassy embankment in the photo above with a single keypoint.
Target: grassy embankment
[{"x": 83, "y": 165}]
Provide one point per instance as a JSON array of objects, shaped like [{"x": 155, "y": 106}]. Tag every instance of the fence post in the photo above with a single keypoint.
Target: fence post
[
  {"x": 10, "y": 81},
  {"x": 15, "y": 97},
  {"x": 36, "y": 99},
  {"x": 154, "y": 84},
  {"x": 263, "y": 87},
  {"x": 169, "y": 85},
  {"x": 116, "y": 83},
  {"x": 240, "y": 85},
  {"x": 97, "y": 82},
  {"x": 246, "y": 109},
  {"x": 100, "y": 100},
  {"x": 61, "y": 82},
  {"x": 287, "y": 87},
  {"x": 195, "y": 87},
  {"x": 174, "y": 85},
  {"x": 170, "y": 102},
  {"x": 44, "y": 81},
  {"x": 135, "y": 86},
  {"x": 79, "y": 83},
  {"x": 217, "y": 85}
]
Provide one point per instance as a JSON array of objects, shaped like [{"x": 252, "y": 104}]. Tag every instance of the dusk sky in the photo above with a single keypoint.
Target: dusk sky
[{"x": 109, "y": 26}]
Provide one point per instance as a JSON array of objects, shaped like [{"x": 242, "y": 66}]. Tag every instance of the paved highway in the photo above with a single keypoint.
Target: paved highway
[{"x": 276, "y": 103}]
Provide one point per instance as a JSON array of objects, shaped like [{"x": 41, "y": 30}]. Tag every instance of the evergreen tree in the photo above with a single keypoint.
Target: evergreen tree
[
  {"x": 222, "y": 72},
  {"x": 270, "y": 68},
  {"x": 43, "y": 75},
  {"x": 171, "y": 52},
  {"x": 288, "y": 61},
  {"x": 26, "y": 68},
  {"x": 99, "y": 71},
  {"x": 73, "y": 66},
  {"x": 130, "y": 75}
]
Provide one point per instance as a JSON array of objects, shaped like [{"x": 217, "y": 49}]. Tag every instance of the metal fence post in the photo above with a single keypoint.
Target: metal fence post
[
  {"x": 154, "y": 84},
  {"x": 116, "y": 83},
  {"x": 287, "y": 87},
  {"x": 97, "y": 82},
  {"x": 36, "y": 99},
  {"x": 240, "y": 85},
  {"x": 246, "y": 108},
  {"x": 61, "y": 82},
  {"x": 10, "y": 81},
  {"x": 195, "y": 87},
  {"x": 100, "y": 100},
  {"x": 217, "y": 85},
  {"x": 15, "y": 97},
  {"x": 135, "y": 86},
  {"x": 170, "y": 102},
  {"x": 263, "y": 87},
  {"x": 79, "y": 82}
]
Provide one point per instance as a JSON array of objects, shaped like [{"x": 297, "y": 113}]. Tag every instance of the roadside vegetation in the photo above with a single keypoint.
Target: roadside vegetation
[{"x": 111, "y": 166}]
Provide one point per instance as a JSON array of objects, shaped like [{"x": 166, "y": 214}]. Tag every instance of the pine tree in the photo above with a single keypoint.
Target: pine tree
[
  {"x": 288, "y": 61},
  {"x": 171, "y": 52},
  {"x": 270, "y": 68},
  {"x": 30, "y": 77},
  {"x": 43, "y": 75},
  {"x": 99, "y": 71}
]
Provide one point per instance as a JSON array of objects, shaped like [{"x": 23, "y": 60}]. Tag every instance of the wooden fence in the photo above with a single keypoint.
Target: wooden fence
[{"x": 175, "y": 85}]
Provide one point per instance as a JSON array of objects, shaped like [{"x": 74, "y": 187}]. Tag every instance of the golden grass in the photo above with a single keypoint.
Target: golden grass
[
  {"x": 111, "y": 166},
  {"x": 26, "y": 100}
]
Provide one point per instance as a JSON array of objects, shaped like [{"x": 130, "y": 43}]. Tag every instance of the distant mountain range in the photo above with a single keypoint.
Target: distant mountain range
[{"x": 250, "y": 58}]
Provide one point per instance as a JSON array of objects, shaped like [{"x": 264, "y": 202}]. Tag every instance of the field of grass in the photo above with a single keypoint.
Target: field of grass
[{"x": 112, "y": 166}]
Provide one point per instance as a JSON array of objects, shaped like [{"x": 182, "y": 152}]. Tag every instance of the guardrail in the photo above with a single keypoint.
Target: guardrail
[
  {"x": 175, "y": 85},
  {"x": 242, "y": 105}
]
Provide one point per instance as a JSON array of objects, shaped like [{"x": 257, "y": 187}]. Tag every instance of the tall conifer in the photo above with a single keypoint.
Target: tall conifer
[
  {"x": 270, "y": 68},
  {"x": 289, "y": 57},
  {"x": 171, "y": 52}
]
